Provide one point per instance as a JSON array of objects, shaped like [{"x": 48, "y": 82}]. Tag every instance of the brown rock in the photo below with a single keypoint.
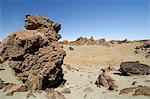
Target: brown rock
[
  {"x": 34, "y": 54},
  {"x": 104, "y": 80},
  {"x": 52, "y": 94},
  {"x": 80, "y": 41},
  {"x": 2, "y": 84},
  {"x": 71, "y": 48},
  {"x": 64, "y": 90},
  {"x": 142, "y": 90},
  {"x": 88, "y": 89},
  {"x": 38, "y": 22},
  {"x": 11, "y": 88},
  {"x": 143, "y": 49},
  {"x": 139, "y": 90},
  {"x": 134, "y": 82},
  {"x": 65, "y": 42},
  {"x": 134, "y": 68},
  {"x": 112, "y": 87},
  {"x": 127, "y": 90}
]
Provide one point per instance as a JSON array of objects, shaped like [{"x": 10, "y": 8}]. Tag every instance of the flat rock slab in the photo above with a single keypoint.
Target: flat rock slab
[{"x": 134, "y": 68}]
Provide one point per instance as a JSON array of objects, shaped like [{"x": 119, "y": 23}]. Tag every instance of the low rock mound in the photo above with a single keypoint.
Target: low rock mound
[
  {"x": 134, "y": 68},
  {"x": 34, "y": 54},
  {"x": 136, "y": 91}
]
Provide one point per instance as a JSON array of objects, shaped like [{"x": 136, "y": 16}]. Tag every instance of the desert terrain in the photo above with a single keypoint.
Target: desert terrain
[
  {"x": 35, "y": 65},
  {"x": 81, "y": 68}
]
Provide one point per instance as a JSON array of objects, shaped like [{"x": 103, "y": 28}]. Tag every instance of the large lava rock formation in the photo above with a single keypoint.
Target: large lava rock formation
[{"x": 34, "y": 54}]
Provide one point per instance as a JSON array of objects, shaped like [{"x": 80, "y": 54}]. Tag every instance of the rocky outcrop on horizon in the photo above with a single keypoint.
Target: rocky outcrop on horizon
[
  {"x": 34, "y": 54},
  {"x": 85, "y": 41},
  {"x": 91, "y": 41}
]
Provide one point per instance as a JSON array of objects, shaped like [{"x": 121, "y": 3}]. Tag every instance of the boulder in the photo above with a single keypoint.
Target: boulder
[
  {"x": 104, "y": 80},
  {"x": 134, "y": 68},
  {"x": 34, "y": 54}
]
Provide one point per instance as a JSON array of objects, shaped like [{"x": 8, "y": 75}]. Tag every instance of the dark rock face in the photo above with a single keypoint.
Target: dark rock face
[
  {"x": 34, "y": 54},
  {"x": 134, "y": 68},
  {"x": 143, "y": 49}
]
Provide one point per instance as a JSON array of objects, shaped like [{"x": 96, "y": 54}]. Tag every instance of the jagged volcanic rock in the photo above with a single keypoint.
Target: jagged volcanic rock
[
  {"x": 134, "y": 68},
  {"x": 45, "y": 25},
  {"x": 104, "y": 80},
  {"x": 34, "y": 54}
]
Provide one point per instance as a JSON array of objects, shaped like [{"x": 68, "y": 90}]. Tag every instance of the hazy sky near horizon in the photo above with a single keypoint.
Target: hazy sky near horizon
[{"x": 110, "y": 19}]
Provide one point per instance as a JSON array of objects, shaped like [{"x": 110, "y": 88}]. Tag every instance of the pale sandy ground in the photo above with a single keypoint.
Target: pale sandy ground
[{"x": 86, "y": 62}]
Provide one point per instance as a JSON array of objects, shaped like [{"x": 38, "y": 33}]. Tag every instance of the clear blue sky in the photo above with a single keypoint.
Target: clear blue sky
[{"x": 110, "y": 19}]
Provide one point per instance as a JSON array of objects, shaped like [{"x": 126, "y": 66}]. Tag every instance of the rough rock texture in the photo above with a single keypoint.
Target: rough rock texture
[
  {"x": 143, "y": 49},
  {"x": 45, "y": 25},
  {"x": 139, "y": 90},
  {"x": 127, "y": 90},
  {"x": 85, "y": 41},
  {"x": 104, "y": 80},
  {"x": 34, "y": 54},
  {"x": 11, "y": 88},
  {"x": 142, "y": 90},
  {"x": 134, "y": 68}
]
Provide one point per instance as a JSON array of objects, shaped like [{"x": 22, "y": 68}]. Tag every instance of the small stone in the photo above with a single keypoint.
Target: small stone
[{"x": 71, "y": 48}]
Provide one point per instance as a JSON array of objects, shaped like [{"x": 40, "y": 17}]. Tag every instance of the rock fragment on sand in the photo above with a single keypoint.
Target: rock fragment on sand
[
  {"x": 104, "y": 80},
  {"x": 71, "y": 48},
  {"x": 52, "y": 94},
  {"x": 2, "y": 84}
]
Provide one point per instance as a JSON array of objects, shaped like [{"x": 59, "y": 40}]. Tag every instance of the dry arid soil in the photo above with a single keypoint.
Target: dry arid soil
[
  {"x": 81, "y": 68},
  {"x": 35, "y": 65}
]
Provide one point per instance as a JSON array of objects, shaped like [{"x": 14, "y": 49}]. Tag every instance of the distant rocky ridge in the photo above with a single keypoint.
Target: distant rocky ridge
[
  {"x": 91, "y": 41},
  {"x": 35, "y": 54}
]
